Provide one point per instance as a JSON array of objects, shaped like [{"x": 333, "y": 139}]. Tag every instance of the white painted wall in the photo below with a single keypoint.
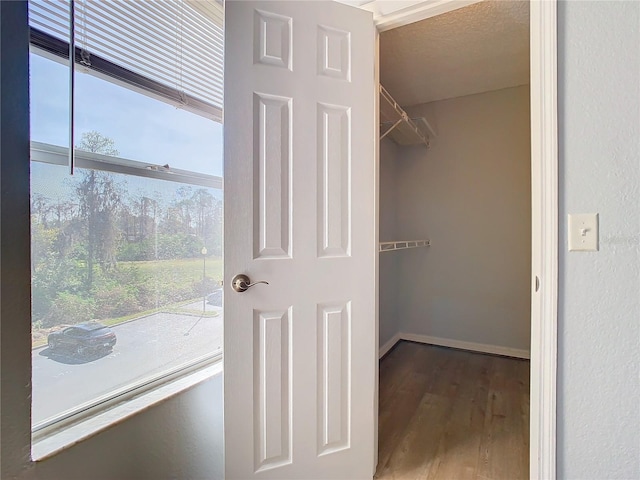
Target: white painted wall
[
  {"x": 470, "y": 195},
  {"x": 180, "y": 438},
  {"x": 599, "y": 307},
  {"x": 388, "y": 273}
]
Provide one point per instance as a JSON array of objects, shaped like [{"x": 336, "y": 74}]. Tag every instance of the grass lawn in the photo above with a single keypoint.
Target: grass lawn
[
  {"x": 183, "y": 270},
  {"x": 169, "y": 275}
]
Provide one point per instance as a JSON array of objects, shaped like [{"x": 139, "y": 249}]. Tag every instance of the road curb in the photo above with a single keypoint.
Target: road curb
[{"x": 33, "y": 349}]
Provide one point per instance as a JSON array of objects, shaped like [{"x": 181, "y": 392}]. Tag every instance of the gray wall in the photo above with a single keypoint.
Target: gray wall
[
  {"x": 470, "y": 194},
  {"x": 388, "y": 315},
  {"x": 599, "y": 308}
]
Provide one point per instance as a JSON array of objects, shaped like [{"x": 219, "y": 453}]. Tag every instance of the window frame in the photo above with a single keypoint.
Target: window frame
[{"x": 57, "y": 50}]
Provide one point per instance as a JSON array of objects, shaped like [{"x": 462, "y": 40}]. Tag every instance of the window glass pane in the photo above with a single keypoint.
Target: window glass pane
[
  {"x": 127, "y": 252},
  {"x": 140, "y": 255},
  {"x": 141, "y": 128},
  {"x": 49, "y": 90},
  {"x": 147, "y": 130}
]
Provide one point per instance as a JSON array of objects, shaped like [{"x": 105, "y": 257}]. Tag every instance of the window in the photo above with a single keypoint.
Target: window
[{"x": 126, "y": 252}]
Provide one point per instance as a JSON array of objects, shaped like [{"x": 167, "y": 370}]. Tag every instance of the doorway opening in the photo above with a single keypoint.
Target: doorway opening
[{"x": 455, "y": 198}]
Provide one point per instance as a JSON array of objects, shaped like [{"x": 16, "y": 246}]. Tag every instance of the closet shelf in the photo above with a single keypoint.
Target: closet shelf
[
  {"x": 403, "y": 245},
  {"x": 395, "y": 122}
]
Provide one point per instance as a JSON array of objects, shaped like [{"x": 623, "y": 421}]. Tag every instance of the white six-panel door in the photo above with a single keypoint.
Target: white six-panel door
[{"x": 299, "y": 353}]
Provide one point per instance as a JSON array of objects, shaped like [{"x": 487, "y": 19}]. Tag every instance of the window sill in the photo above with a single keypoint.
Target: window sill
[{"x": 68, "y": 436}]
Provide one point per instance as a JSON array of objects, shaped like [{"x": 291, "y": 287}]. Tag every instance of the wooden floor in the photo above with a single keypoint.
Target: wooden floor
[{"x": 452, "y": 415}]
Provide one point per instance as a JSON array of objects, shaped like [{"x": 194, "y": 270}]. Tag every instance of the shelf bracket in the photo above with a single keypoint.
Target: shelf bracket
[
  {"x": 391, "y": 113},
  {"x": 391, "y": 128}
]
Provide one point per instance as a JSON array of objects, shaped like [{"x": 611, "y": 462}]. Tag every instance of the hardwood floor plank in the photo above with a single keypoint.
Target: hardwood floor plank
[
  {"x": 393, "y": 419},
  {"x": 416, "y": 453},
  {"x": 414, "y": 457},
  {"x": 448, "y": 414},
  {"x": 460, "y": 444},
  {"x": 394, "y": 368},
  {"x": 504, "y": 445}
]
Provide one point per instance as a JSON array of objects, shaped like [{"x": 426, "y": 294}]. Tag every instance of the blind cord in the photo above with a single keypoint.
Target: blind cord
[
  {"x": 85, "y": 55},
  {"x": 72, "y": 79},
  {"x": 179, "y": 52}
]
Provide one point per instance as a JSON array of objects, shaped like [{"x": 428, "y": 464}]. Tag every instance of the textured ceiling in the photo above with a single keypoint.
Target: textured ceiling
[{"x": 478, "y": 48}]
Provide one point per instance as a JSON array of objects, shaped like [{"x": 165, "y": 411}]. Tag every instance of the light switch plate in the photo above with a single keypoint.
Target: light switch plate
[{"x": 583, "y": 232}]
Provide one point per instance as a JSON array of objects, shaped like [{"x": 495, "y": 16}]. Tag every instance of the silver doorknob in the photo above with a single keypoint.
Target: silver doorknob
[{"x": 242, "y": 283}]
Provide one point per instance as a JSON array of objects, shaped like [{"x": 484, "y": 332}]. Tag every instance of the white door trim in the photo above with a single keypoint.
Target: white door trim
[
  {"x": 544, "y": 206},
  {"x": 389, "y": 14}
]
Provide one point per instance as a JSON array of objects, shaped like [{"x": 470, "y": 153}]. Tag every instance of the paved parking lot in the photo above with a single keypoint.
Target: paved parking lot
[{"x": 145, "y": 346}]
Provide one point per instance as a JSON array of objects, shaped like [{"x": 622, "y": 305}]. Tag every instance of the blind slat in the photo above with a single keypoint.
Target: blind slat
[
  {"x": 197, "y": 39},
  {"x": 178, "y": 43},
  {"x": 201, "y": 26},
  {"x": 153, "y": 45},
  {"x": 146, "y": 66},
  {"x": 47, "y": 26}
]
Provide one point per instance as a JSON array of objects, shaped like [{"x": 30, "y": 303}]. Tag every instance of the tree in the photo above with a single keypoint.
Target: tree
[
  {"x": 208, "y": 217},
  {"x": 100, "y": 197},
  {"x": 203, "y": 204},
  {"x": 178, "y": 217},
  {"x": 40, "y": 209},
  {"x": 95, "y": 142}
]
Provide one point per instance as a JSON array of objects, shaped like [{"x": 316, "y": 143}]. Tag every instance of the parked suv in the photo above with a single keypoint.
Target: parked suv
[{"x": 83, "y": 337}]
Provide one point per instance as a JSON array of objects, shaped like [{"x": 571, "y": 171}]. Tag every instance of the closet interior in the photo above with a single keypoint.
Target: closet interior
[
  {"x": 455, "y": 244},
  {"x": 403, "y": 130}
]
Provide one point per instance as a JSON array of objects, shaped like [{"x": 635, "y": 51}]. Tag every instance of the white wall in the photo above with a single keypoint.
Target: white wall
[
  {"x": 470, "y": 195},
  {"x": 180, "y": 438},
  {"x": 599, "y": 307},
  {"x": 388, "y": 315}
]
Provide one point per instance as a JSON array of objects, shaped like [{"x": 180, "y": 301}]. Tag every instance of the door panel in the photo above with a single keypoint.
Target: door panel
[
  {"x": 300, "y": 353},
  {"x": 272, "y": 202},
  {"x": 334, "y": 169},
  {"x": 334, "y": 377},
  {"x": 272, "y": 389}
]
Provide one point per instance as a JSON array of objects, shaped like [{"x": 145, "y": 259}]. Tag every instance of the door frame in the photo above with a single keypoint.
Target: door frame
[{"x": 544, "y": 213}]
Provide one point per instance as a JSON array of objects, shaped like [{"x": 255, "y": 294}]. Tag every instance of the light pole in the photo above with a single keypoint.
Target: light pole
[{"x": 204, "y": 279}]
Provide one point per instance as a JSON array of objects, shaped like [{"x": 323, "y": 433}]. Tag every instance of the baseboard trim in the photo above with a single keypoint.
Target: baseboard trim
[
  {"x": 472, "y": 346},
  {"x": 384, "y": 349},
  {"x": 447, "y": 342}
]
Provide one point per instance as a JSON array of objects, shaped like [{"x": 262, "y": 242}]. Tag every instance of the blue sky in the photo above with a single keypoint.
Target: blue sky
[{"x": 143, "y": 129}]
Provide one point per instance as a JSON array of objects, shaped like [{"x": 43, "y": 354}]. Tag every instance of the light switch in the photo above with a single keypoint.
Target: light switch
[{"x": 583, "y": 232}]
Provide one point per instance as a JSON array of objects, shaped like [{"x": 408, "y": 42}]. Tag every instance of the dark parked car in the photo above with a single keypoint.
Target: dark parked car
[{"x": 89, "y": 336}]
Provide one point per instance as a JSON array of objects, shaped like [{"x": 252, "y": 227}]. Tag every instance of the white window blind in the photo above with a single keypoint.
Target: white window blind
[{"x": 173, "y": 48}]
